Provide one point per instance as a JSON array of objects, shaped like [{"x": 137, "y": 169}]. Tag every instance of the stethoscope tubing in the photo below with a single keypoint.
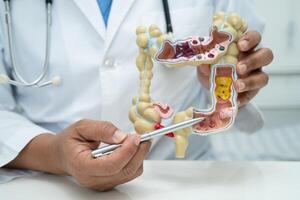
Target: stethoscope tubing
[
  {"x": 169, "y": 25},
  {"x": 38, "y": 82},
  {"x": 15, "y": 69}
]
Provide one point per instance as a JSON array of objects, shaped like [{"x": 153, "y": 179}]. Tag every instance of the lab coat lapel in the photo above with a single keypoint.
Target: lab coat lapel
[
  {"x": 118, "y": 13},
  {"x": 91, "y": 10}
]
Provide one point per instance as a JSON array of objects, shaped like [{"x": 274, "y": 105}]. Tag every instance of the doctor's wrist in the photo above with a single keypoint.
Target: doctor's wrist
[
  {"x": 40, "y": 154},
  {"x": 55, "y": 161}
]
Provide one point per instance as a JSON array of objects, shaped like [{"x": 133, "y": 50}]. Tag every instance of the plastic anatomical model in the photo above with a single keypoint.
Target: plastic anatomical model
[{"x": 219, "y": 50}]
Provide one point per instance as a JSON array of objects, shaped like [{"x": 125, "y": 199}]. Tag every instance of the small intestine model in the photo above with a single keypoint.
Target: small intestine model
[{"x": 219, "y": 50}]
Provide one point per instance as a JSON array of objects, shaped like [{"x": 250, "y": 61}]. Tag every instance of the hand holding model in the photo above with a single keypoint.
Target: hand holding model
[
  {"x": 251, "y": 77},
  {"x": 70, "y": 153},
  {"x": 216, "y": 58}
]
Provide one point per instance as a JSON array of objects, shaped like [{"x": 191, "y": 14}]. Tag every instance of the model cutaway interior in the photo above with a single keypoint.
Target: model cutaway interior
[{"x": 219, "y": 50}]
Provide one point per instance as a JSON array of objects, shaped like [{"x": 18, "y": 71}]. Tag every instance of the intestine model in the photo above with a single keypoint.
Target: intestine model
[
  {"x": 145, "y": 113},
  {"x": 219, "y": 50}
]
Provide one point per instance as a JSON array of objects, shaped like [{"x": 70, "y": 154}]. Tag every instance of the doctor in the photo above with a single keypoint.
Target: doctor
[{"x": 92, "y": 59}]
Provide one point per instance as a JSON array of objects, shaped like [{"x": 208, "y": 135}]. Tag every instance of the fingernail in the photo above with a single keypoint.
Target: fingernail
[
  {"x": 137, "y": 140},
  {"x": 119, "y": 136},
  {"x": 241, "y": 86},
  {"x": 238, "y": 103},
  {"x": 243, "y": 44},
  {"x": 242, "y": 68}
]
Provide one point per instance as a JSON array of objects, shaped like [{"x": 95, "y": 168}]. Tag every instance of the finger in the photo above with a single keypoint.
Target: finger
[
  {"x": 117, "y": 180},
  {"x": 254, "y": 61},
  {"x": 249, "y": 41},
  {"x": 91, "y": 130},
  {"x": 256, "y": 80},
  {"x": 204, "y": 70},
  {"x": 245, "y": 97},
  {"x": 112, "y": 164},
  {"x": 137, "y": 173},
  {"x": 137, "y": 160}
]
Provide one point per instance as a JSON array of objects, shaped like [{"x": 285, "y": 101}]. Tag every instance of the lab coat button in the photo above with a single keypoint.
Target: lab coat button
[
  {"x": 109, "y": 62},
  {"x": 116, "y": 63}
]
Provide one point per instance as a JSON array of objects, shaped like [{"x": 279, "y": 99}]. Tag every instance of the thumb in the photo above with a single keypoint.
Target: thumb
[
  {"x": 203, "y": 70},
  {"x": 100, "y": 131}
]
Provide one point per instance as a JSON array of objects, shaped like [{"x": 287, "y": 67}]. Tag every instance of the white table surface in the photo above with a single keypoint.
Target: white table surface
[{"x": 174, "y": 180}]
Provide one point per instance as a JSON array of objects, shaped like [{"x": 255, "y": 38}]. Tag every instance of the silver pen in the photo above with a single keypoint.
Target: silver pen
[{"x": 106, "y": 150}]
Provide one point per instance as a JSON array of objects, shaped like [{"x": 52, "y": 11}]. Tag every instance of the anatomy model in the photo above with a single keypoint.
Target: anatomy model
[{"x": 219, "y": 50}]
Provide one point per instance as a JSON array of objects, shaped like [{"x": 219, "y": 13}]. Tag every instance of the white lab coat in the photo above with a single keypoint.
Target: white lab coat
[{"x": 97, "y": 66}]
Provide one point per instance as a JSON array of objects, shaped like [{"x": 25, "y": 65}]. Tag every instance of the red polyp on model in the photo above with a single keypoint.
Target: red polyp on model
[
  {"x": 159, "y": 126},
  {"x": 171, "y": 134}
]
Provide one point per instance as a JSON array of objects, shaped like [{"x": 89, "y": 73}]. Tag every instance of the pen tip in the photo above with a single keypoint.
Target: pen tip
[{"x": 199, "y": 119}]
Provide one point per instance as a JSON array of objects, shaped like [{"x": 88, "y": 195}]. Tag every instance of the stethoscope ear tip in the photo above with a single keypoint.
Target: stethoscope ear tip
[
  {"x": 56, "y": 80},
  {"x": 4, "y": 79}
]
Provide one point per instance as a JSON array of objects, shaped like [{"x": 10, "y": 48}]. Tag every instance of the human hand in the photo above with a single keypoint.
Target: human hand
[
  {"x": 251, "y": 77},
  {"x": 76, "y": 143}
]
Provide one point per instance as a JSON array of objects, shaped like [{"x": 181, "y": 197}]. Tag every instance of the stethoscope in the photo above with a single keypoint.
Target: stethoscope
[{"x": 19, "y": 80}]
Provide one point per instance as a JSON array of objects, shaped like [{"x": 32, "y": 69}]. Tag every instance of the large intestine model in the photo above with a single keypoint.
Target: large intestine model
[{"x": 219, "y": 50}]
